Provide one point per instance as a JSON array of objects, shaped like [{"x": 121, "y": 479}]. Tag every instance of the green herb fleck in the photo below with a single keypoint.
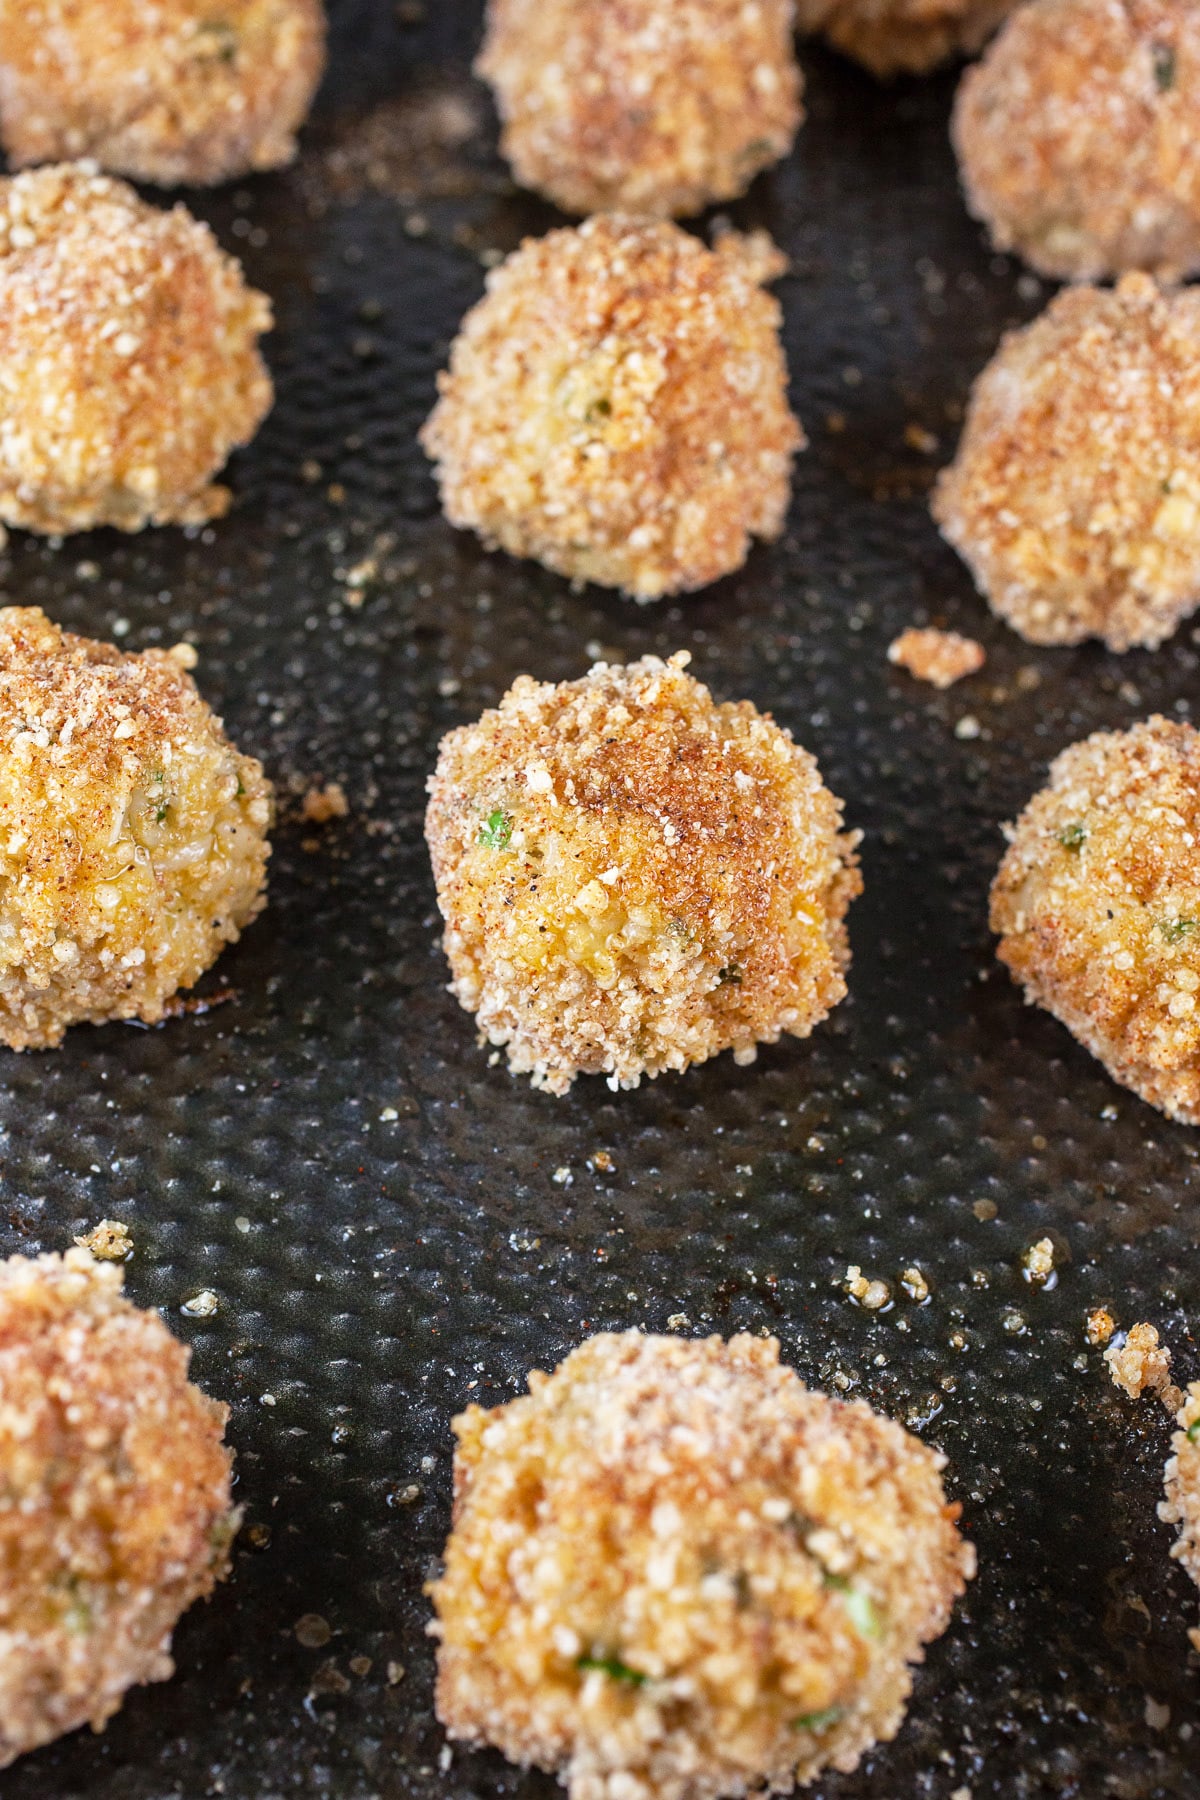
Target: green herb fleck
[
  {"x": 495, "y": 833},
  {"x": 1174, "y": 929},
  {"x": 1073, "y": 837},
  {"x": 160, "y": 812},
  {"x": 241, "y": 792},
  {"x": 860, "y": 1608},
  {"x": 599, "y": 409},
  {"x": 730, "y": 976},
  {"x": 1164, "y": 67},
  {"x": 217, "y": 40},
  {"x": 1193, "y": 1432},
  {"x": 817, "y": 1721},
  {"x": 612, "y": 1665}
]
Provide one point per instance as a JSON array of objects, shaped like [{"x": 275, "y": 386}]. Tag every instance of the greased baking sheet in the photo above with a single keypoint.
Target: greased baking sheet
[{"x": 391, "y": 1225}]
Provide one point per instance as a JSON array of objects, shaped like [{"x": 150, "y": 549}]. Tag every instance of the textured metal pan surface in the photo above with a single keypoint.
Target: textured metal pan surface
[{"x": 382, "y": 1213}]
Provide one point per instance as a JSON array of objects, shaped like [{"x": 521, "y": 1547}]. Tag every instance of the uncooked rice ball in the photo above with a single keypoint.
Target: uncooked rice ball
[
  {"x": 129, "y": 365},
  {"x": 179, "y": 92},
  {"x": 132, "y": 833},
  {"x": 676, "y": 1574},
  {"x": 1075, "y": 493},
  {"x": 1077, "y": 140},
  {"x": 1097, "y": 904},
  {"x": 114, "y": 1511},
  {"x": 653, "y": 106},
  {"x": 634, "y": 878},
  {"x": 1182, "y": 1481},
  {"x": 616, "y": 407},
  {"x": 904, "y": 37}
]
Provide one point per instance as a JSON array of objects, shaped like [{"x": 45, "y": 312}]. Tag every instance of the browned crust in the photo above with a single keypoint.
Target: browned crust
[
  {"x": 672, "y": 880},
  {"x": 114, "y": 1508},
  {"x": 1075, "y": 493},
  {"x": 649, "y": 106},
  {"x": 1076, "y": 137},
  {"x": 1097, "y": 904},
  {"x": 616, "y": 407},
  {"x": 768, "y": 1561},
  {"x": 904, "y": 37},
  {"x": 132, "y": 833},
  {"x": 168, "y": 91}
]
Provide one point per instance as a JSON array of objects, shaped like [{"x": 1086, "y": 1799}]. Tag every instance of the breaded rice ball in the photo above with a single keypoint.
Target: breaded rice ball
[
  {"x": 1077, "y": 140},
  {"x": 634, "y": 878},
  {"x": 114, "y": 1502},
  {"x": 1097, "y": 904},
  {"x": 129, "y": 364},
  {"x": 178, "y": 92},
  {"x": 132, "y": 833},
  {"x": 649, "y": 106},
  {"x": 1182, "y": 1482},
  {"x": 616, "y": 407},
  {"x": 904, "y": 37},
  {"x": 676, "y": 1574},
  {"x": 1075, "y": 493}
]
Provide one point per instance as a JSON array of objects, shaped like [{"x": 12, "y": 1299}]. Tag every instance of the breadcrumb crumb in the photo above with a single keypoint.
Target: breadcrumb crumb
[
  {"x": 675, "y": 1574},
  {"x": 939, "y": 657},
  {"x": 177, "y": 92},
  {"x": 658, "y": 107},
  {"x": 616, "y": 407},
  {"x": 115, "y": 1514},
  {"x": 1076, "y": 137},
  {"x": 1140, "y": 1363},
  {"x": 132, "y": 833},
  {"x": 1099, "y": 1326},
  {"x": 323, "y": 803},
  {"x": 129, "y": 363},
  {"x": 1075, "y": 493},
  {"x": 634, "y": 878},
  {"x": 1097, "y": 904},
  {"x": 109, "y": 1241}
]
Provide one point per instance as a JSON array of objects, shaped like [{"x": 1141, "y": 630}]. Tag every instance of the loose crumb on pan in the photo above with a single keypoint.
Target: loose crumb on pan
[
  {"x": 132, "y": 832},
  {"x": 1099, "y": 1326},
  {"x": 939, "y": 657},
  {"x": 179, "y": 92},
  {"x": 1141, "y": 1364},
  {"x": 904, "y": 37},
  {"x": 129, "y": 362},
  {"x": 1097, "y": 906},
  {"x": 1075, "y": 493},
  {"x": 616, "y": 406},
  {"x": 1181, "y": 1478},
  {"x": 1076, "y": 137},
  {"x": 109, "y": 1241},
  {"x": 324, "y": 801},
  {"x": 676, "y": 1574},
  {"x": 115, "y": 1514},
  {"x": 635, "y": 878},
  {"x": 658, "y": 107}
]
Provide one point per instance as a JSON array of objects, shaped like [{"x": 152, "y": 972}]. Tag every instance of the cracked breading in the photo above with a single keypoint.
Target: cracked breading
[
  {"x": 938, "y": 657},
  {"x": 904, "y": 37},
  {"x": 1077, "y": 141},
  {"x": 616, "y": 407},
  {"x": 652, "y": 106},
  {"x": 675, "y": 1574},
  {"x": 178, "y": 92},
  {"x": 1181, "y": 1478},
  {"x": 132, "y": 833},
  {"x": 114, "y": 1509},
  {"x": 1097, "y": 904},
  {"x": 634, "y": 878},
  {"x": 129, "y": 364},
  {"x": 1075, "y": 494}
]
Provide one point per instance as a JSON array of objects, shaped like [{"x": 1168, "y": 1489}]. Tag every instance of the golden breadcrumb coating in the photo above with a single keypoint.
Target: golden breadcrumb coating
[
  {"x": 634, "y": 878},
  {"x": 904, "y": 37},
  {"x": 1075, "y": 494},
  {"x": 129, "y": 366},
  {"x": 675, "y": 1574},
  {"x": 114, "y": 1508},
  {"x": 645, "y": 106},
  {"x": 616, "y": 407},
  {"x": 179, "y": 92},
  {"x": 1076, "y": 137},
  {"x": 132, "y": 833},
  {"x": 1097, "y": 904},
  {"x": 938, "y": 657},
  {"x": 1181, "y": 1478}
]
